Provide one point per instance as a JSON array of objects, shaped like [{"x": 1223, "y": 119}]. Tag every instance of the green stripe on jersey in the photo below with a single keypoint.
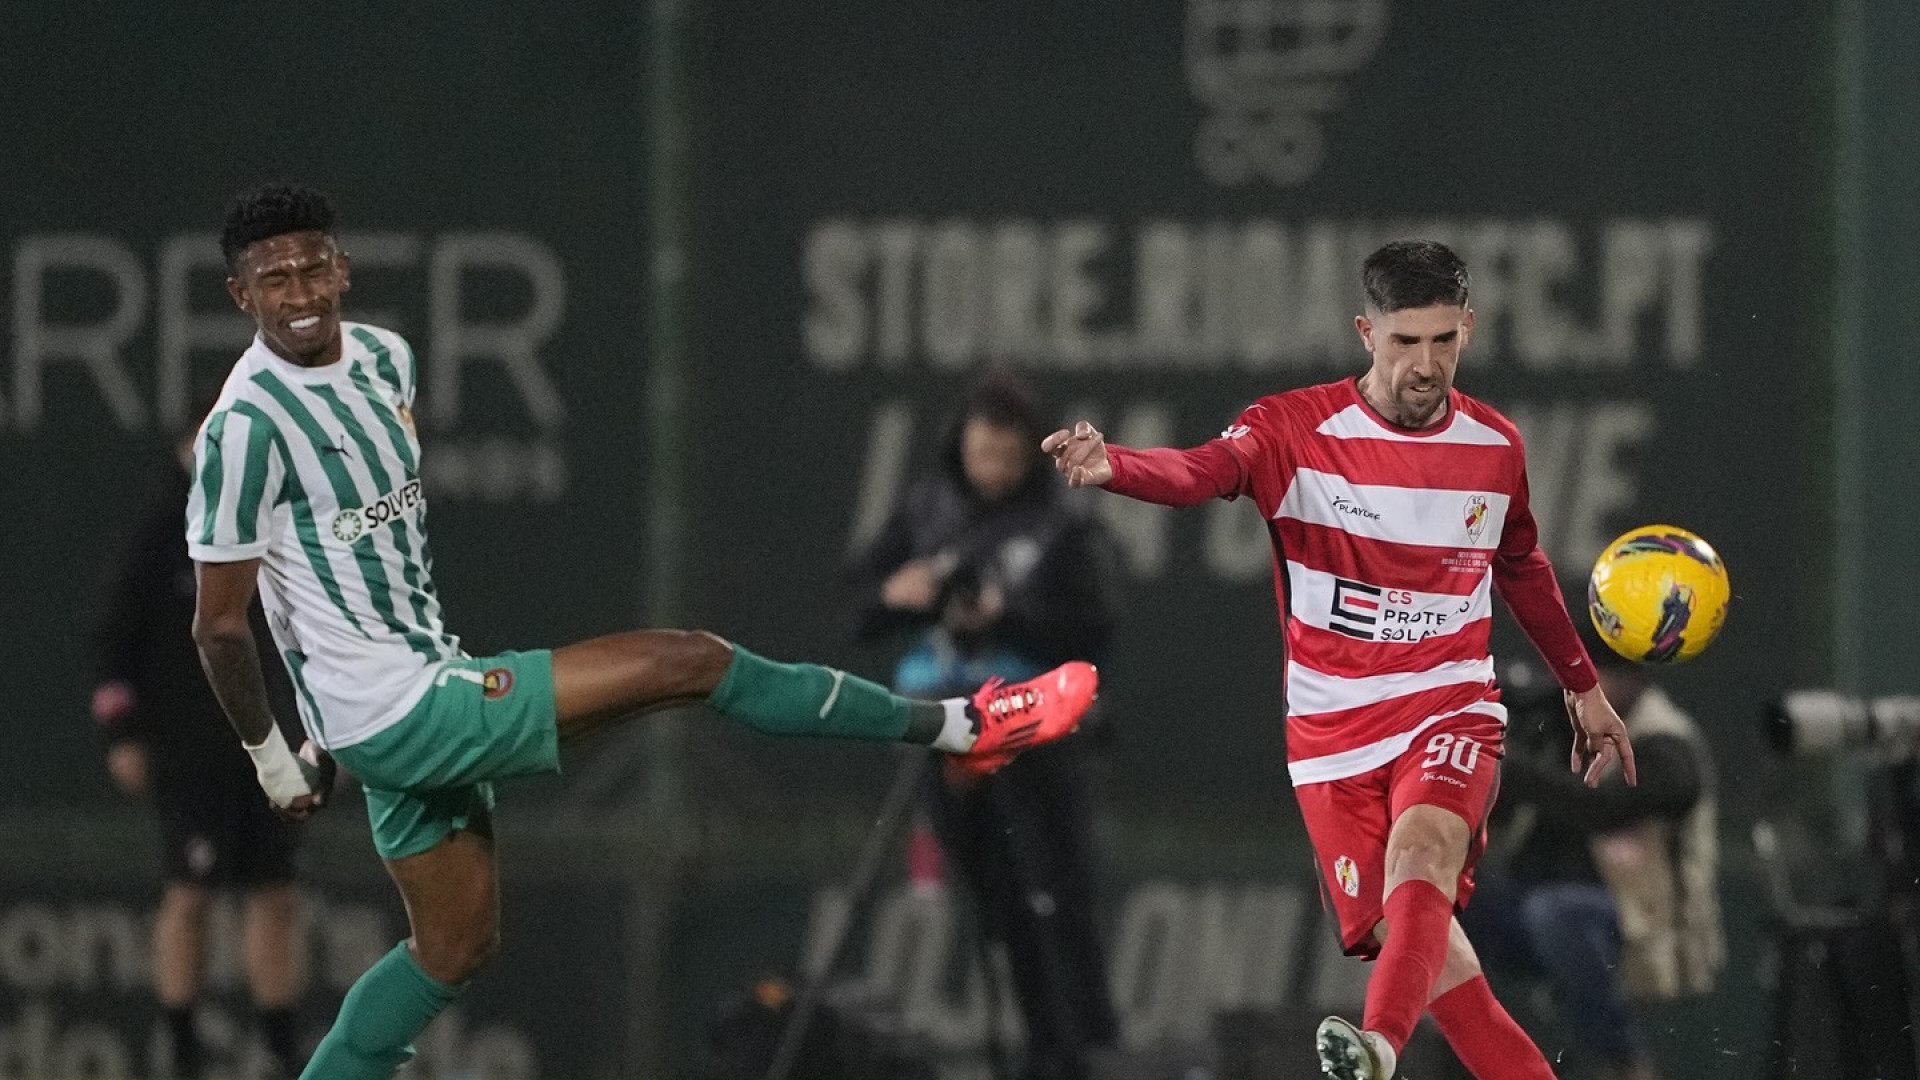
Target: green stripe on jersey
[
  {"x": 395, "y": 434},
  {"x": 303, "y": 523},
  {"x": 383, "y": 362},
  {"x": 210, "y": 475},
  {"x": 347, "y": 494},
  {"x": 297, "y": 666},
  {"x": 382, "y": 358},
  {"x": 423, "y": 586},
  {"x": 397, "y": 526},
  {"x": 253, "y": 482}
]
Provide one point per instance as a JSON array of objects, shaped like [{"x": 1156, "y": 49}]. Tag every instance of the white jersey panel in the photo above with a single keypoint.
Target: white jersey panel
[
  {"x": 1432, "y": 517},
  {"x": 1353, "y": 422},
  {"x": 1367, "y": 612},
  {"x": 1310, "y": 691}
]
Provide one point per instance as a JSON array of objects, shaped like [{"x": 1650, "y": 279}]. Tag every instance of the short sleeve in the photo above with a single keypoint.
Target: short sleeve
[
  {"x": 409, "y": 370},
  {"x": 238, "y": 476}
]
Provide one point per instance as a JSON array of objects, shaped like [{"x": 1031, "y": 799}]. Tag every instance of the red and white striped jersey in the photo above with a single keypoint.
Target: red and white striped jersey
[{"x": 1388, "y": 544}]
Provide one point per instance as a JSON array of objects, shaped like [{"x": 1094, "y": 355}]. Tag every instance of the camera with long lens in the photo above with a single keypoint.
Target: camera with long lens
[{"x": 1812, "y": 722}]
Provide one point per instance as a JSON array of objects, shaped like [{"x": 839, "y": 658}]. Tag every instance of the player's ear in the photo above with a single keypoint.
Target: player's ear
[
  {"x": 239, "y": 293},
  {"x": 1466, "y": 327},
  {"x": 1364, "y": 327},
  {"x": 343, "y": 264}
]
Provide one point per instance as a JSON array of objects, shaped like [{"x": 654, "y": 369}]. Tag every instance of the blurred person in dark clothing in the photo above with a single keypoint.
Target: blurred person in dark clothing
[
  {"x": 168, "y": 741},
  {"x": 1608, "y": 893},
  {"x": 993, "y": 570}
]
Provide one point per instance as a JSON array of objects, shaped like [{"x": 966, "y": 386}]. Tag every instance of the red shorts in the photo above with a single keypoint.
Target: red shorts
[{"x": 1454, "y": 765}]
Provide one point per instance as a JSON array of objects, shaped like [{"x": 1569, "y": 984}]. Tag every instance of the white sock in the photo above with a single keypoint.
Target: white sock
[{"x": 956, "y": 735}]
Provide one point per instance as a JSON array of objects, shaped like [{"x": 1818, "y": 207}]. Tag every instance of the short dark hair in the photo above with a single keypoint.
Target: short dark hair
[
  {"x": 1005, "y": 400},
  {"x": 272, "y": 210},
  {"x": 1414, "y": 274}
]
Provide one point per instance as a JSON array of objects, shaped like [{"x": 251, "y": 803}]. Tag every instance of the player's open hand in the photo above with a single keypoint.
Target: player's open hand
[
  {"x": 1080, "y": 455},
  {"x": 1599, "y": 736}
]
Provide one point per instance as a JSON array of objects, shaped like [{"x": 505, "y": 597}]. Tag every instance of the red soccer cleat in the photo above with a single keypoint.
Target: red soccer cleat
[{"x": 1012, "y": 717}]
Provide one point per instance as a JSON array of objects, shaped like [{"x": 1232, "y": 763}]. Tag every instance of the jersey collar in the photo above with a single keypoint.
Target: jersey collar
[
  {"x": 1366, "y": 407},
  {"x": 263, "y": 357}
]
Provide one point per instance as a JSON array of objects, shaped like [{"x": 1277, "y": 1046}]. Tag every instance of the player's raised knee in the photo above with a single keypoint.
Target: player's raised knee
[
  {"x": 704, "y": 659},
  {"x": 677, "y": 663}
]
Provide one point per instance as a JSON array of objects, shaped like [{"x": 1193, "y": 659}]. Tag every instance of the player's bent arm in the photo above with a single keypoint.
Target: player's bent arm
[
  {"x": 232, "y": 663},
  {"x": 227, "y": 649}
]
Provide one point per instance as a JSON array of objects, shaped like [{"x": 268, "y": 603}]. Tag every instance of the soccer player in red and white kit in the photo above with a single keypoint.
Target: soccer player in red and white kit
[{"x": 1396, "y": 505}]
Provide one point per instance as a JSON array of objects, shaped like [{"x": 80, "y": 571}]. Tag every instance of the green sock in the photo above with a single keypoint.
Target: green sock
[
  {"x": 383, "y": 1013},
  {"x": 807, "y": 699}
]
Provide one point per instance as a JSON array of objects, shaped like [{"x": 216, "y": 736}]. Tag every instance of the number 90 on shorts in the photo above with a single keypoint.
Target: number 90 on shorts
[{"x": 1453, "y": 765}]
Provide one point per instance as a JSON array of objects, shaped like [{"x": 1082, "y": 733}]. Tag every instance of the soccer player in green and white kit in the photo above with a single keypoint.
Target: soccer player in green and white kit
[{"x": 307, "y": 488}]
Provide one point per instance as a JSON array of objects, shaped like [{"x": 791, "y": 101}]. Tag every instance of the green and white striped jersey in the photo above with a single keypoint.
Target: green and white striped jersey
[{"x": 315, "y": 471}]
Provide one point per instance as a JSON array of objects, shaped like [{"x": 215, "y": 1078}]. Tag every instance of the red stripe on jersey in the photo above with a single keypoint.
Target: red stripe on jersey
[
  {"x": 1409, "y": 464},
  {"x": 1349, "y": 656},
  {"x": 1381, "y": 562}
]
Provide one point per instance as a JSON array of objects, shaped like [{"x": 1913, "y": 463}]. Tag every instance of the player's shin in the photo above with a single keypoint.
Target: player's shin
[
  {"x": 808, "y": 699},
  {"x": 383, "y": 1013},
  {"x": 1419, "y": 918}
]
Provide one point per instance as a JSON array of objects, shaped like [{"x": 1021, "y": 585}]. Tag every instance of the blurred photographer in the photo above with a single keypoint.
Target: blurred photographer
[
  {"x": 1608, "y": 893},
  {"x": 990, "y": 568}
]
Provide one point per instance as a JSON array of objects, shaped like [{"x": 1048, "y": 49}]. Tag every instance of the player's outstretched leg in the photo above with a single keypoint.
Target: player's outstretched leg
[
  {"x": 1483, "y": 1035},
  {"x": 1426, "y": 847},
  {"x": 623, "y": 673},
  {"x": 986, "y": 731}
]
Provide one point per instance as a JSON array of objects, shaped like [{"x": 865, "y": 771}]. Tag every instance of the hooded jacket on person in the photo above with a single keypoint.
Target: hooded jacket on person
[{"x": 1051, "y": 559}]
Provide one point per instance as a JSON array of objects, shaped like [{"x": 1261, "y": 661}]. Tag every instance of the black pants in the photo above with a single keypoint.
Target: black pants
[{"x": 1022, "y": 840}]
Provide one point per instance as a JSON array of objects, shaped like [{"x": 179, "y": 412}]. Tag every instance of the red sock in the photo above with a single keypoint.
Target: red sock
[
  {"x": 1419, "y": 917},
  {"x": 1484, "y": 1037}
]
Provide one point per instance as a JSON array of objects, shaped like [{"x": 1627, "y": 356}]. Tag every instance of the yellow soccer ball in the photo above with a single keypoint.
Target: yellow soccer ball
[{"x": 1658, "y": 594}]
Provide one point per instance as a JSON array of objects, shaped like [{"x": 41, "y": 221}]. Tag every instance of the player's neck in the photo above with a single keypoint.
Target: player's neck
[{"x": 335, "y": 350}]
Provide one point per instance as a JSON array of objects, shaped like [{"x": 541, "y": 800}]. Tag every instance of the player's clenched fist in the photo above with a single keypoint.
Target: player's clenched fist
[{"x": 1080, "y": 455}]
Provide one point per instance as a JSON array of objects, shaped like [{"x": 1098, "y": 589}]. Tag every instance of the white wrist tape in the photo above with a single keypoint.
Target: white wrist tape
[{"x": 279, "y": 772}]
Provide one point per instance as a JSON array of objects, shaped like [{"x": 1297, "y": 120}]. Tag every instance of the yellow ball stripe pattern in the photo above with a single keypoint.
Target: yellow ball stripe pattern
[{"x": 1658, "y": 594}]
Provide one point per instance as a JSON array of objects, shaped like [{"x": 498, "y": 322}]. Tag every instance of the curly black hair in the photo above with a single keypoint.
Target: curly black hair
[
  {"x": 1414, "y": 274},
  {"x": 272, "y": 210}
]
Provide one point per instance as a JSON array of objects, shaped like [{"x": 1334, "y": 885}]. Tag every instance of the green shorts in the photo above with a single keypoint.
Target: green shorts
[{"x": 485, "y": 718}]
